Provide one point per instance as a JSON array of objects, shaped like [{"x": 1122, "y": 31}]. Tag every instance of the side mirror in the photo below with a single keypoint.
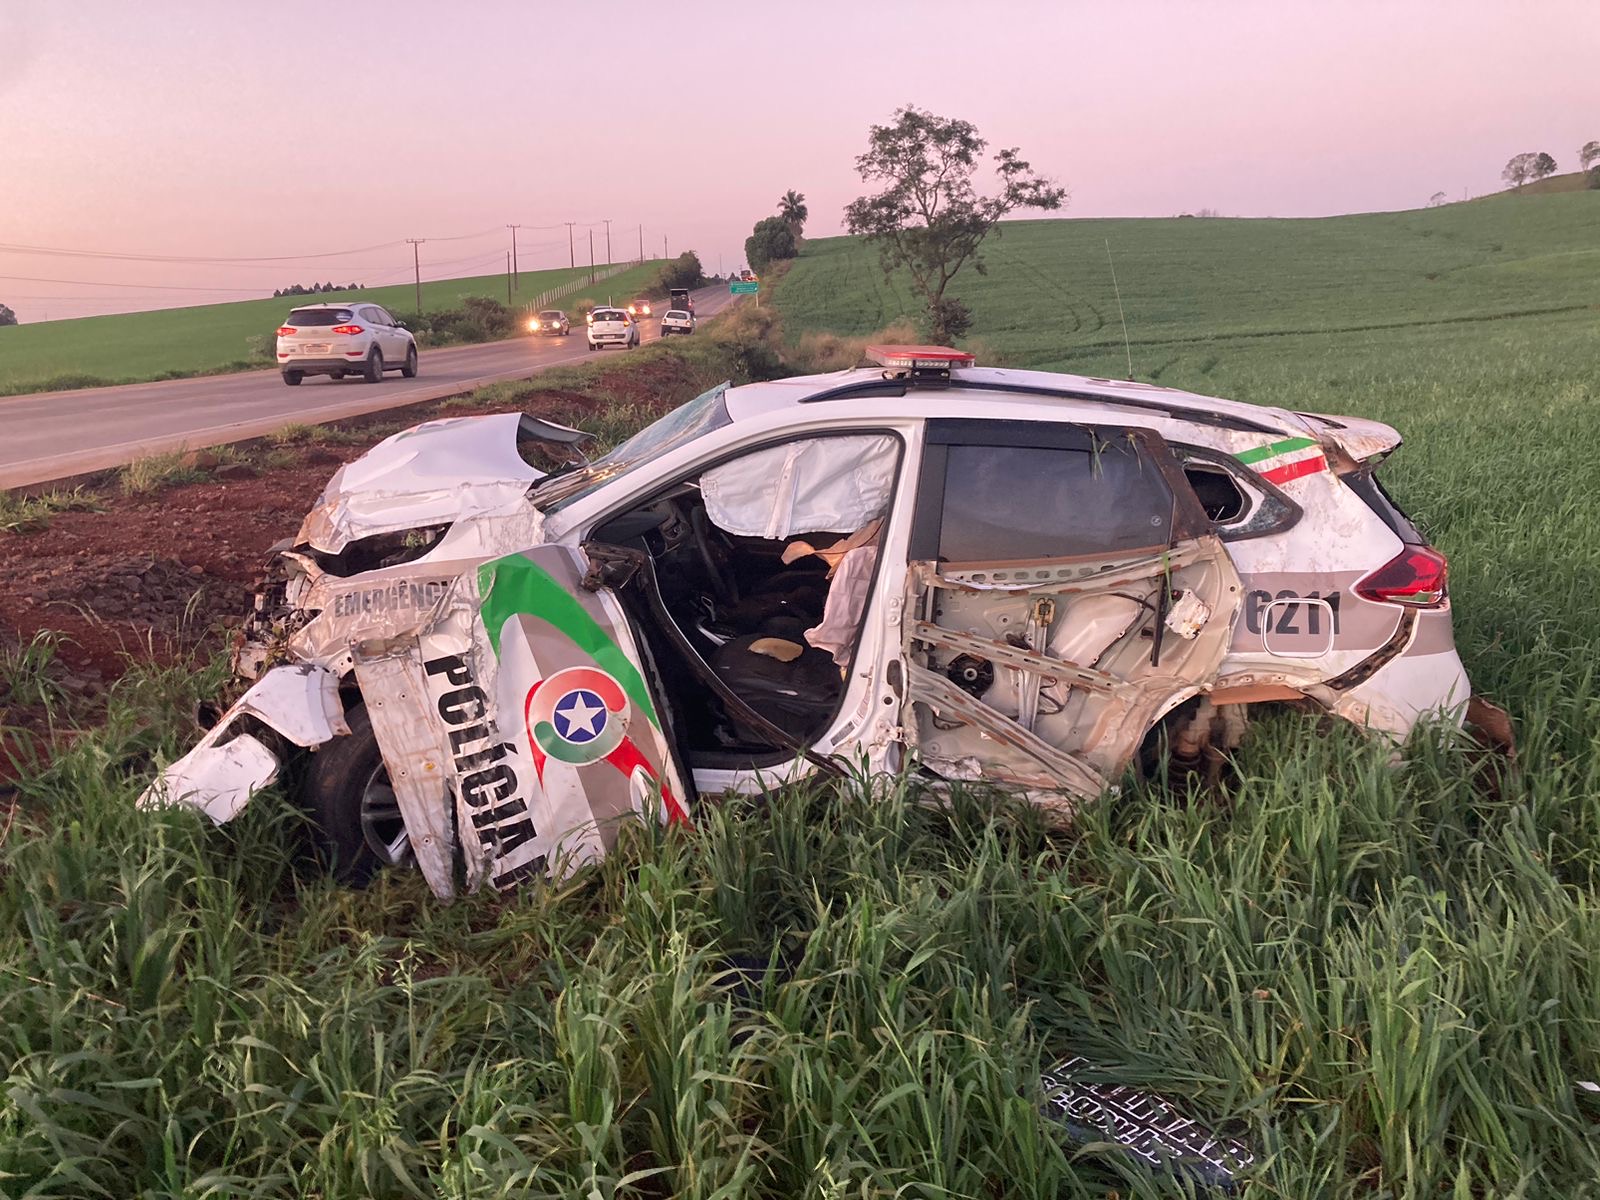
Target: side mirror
[{"x": 401, "y": 325}]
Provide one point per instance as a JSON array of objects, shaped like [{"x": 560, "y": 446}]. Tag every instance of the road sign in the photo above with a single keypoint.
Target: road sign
[{"x": 740, "y": 288}]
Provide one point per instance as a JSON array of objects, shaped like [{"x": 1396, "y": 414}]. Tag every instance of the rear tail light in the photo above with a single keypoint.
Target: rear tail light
[
  {"x": 286, "y": 330},
  {"x": 345, "y": 329},
  {"x": 1416, "y": 577}
]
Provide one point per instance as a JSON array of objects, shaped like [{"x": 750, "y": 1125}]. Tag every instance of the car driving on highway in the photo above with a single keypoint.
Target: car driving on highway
[
  {"x": 638, "y": 308},
  {"x": 1018, "y": 578},
  {"x": 344, "y": 339},
  {"x": 676, "y": 320},
  {"x": 552, "y": 322},
  {"x": 612, "y": 327}
]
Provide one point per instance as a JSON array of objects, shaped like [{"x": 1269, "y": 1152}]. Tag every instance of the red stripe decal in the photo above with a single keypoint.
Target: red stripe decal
[{"x": 1294, "y": 470}]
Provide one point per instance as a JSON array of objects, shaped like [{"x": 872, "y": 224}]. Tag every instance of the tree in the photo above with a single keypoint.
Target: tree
[
  {"x": 7, "y": 317},
  {"x": 1589, "y": 155},
  {"x": 793, "y": 211},
  {"x": 684, "y": 271},
  {"x": 771, "y": 240},
  {"x": 1435, "y": 200},
  {"x": 1543, "y": 165},
  {"x": 1518, "y": 170},
  {"x": 928, "y": 218}
]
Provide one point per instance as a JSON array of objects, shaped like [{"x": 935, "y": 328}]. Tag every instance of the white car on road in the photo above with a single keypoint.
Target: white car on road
[
  {"x": 344, "y": 339},
  {"x": 612, "y": 327},
  {"x": 676, "y": 320}
]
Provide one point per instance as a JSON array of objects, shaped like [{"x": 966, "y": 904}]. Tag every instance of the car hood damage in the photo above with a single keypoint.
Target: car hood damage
[{"x": 439, "y": 472}]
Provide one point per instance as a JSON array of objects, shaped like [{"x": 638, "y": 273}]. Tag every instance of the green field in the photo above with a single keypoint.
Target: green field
[
  {"x": 1385, "y": 976},
  {"x": 173, "y": 342}
]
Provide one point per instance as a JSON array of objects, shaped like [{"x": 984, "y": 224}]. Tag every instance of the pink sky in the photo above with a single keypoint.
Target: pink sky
[{"x": 192, "y": 129}]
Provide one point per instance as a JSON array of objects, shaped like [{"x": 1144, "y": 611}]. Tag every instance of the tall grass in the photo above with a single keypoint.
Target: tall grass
[{"x": 1382, "y": 976}]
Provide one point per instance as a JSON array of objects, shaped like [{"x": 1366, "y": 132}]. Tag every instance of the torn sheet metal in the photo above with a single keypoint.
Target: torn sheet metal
[
  {"x": 300, "y": 702},
  {"x": 439, "y": 472},
  {"x": 216, "y": 780},
  {"x": 397, "y": 701}
]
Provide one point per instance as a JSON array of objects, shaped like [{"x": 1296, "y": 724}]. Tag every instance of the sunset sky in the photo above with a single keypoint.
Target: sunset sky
[{"x": 169, "y": 128}]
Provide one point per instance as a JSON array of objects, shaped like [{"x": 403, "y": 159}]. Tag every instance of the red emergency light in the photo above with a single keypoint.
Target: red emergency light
[{"x": 919, "y": 358}]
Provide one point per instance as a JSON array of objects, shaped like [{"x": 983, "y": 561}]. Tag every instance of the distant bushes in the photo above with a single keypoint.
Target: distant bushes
[
  {"x": 316, "y": 289},
  {"x": 479, "y": 319}
]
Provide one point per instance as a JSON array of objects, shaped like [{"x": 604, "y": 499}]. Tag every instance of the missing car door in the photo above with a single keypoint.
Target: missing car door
[{"x": 1066, "y": 589}]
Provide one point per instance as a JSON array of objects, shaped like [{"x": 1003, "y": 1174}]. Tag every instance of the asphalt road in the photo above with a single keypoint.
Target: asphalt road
[{"x": 55, "y": 435}]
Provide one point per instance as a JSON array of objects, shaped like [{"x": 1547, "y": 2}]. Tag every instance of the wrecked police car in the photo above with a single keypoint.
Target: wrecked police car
[{"x": 979, "y": 574}]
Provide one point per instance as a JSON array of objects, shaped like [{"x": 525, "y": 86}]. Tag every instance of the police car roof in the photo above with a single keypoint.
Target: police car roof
[{"x": 1059, "y": 395}]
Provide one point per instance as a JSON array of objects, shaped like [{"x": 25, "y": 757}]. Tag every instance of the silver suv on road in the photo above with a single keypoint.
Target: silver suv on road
[{"x": 344, "y": 339}]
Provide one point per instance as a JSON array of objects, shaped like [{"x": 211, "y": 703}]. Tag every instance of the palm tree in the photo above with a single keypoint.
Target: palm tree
[{"x": 792, "y": 209}]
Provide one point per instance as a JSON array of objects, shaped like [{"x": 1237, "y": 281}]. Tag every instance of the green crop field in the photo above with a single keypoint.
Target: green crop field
[
  {"x": 173, "y": 342},
  {"x": 1380, "y": 971}
]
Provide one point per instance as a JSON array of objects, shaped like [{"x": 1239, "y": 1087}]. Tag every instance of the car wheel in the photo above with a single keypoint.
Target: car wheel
[
  {"x": 347, "y": 789},
  {"x": 293, "y": 378},
  {"x": 410, "y": 368},
  {"x": 373, "y": 371}
]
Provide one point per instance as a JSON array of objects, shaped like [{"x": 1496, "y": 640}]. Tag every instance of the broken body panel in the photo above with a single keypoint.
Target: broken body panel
[{"x": 506, "y": 655}]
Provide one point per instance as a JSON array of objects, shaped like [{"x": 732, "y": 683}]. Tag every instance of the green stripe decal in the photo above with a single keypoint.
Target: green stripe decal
[
  {"x": 514, "y": 585},
  {"x": 1287, "y": 446}
]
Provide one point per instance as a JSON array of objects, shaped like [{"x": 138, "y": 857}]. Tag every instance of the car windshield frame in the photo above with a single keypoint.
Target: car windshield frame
[{"x": 706, "y": 413}]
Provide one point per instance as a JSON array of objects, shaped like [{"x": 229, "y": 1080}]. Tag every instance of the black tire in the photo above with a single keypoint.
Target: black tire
[
  {"x": 372, "y": 372},
  {"x": 293, "y": 378},
  {"x": 347, "y": 790},
  {"x": 409, "y": 370}
]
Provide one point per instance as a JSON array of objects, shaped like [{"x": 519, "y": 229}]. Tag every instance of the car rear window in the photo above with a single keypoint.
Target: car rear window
[
  {"x": 1364, "y": 483},
  {"x": 318, "y": 317},
  {"x": 610, "y": 314},
  {"x": 676, "y": 314}
]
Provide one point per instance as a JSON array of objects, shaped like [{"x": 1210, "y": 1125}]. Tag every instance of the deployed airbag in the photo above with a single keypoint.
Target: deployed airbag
[{"x": 823, "y": 483}]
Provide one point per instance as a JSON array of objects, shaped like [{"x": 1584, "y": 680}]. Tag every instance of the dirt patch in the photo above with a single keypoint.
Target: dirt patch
[{"x": 165, "y": 572}]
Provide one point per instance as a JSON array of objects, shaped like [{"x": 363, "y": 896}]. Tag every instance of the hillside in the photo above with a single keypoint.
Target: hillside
[
  {"x": 169, "y": 343},
  {"x": 1204, "y": 296}
]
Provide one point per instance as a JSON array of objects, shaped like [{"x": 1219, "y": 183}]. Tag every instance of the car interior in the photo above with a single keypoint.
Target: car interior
[{"x": 773, "y": 620}]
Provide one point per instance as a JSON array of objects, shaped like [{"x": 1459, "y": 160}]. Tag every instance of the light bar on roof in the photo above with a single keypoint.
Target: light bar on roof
[{"x": 919, "y": 358}]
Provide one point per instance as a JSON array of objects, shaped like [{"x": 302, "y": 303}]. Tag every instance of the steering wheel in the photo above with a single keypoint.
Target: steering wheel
[{"x": 721, "y": 582}]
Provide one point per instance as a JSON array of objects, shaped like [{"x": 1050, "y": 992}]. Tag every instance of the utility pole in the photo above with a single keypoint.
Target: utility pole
[
  {"x": 663, "y": 247},
  {"x": 641, "y": 243},
  {"x": 607, "y": 220},
  {"x": 572, "y": 258},
  {"x": 514, "y": 272},
  {"x": 591, "y": 256},
  {"x": 509, "y": 269},
  {"x": 416, "y": 266}
]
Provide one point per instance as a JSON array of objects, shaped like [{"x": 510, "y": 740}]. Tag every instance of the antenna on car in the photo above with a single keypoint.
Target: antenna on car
[{"x": 1126, "y": 345}]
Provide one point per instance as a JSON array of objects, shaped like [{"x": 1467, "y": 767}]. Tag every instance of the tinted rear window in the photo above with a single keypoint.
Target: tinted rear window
[
  {"x": 610, "y": 314},
  {"x": 1030, "y": 503},
  {"x": 317, "y": 317}
]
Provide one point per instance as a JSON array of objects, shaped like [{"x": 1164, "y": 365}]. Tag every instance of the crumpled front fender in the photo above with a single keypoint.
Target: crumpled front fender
[{"x": 230, "y": 764}]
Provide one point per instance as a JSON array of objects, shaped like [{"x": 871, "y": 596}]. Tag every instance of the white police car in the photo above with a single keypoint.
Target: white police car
[{"x": 921, "y": 564}]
